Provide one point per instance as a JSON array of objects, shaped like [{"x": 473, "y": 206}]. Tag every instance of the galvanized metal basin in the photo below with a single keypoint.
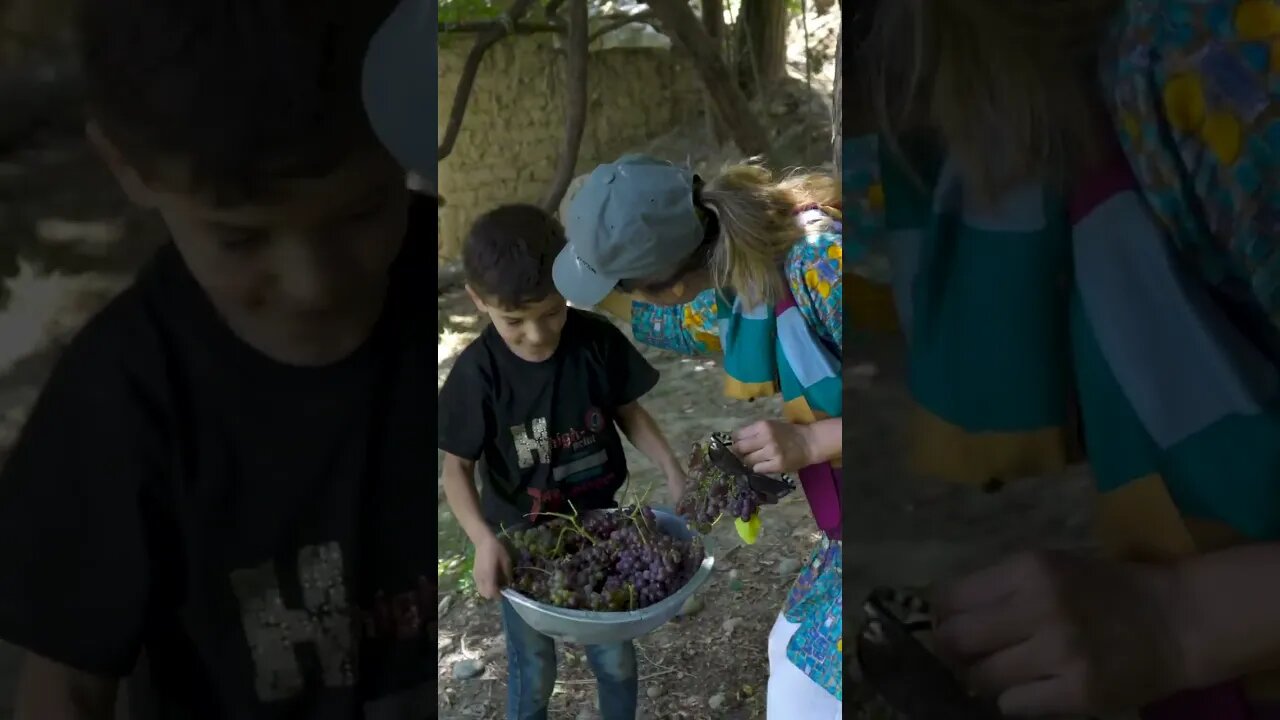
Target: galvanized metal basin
[{"x": 588, "y": 627}]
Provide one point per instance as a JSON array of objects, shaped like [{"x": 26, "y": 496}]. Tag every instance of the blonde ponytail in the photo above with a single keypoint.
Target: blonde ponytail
[
  {"x": 758, "y": 225},
  {"x": 1009, "y": 87}
]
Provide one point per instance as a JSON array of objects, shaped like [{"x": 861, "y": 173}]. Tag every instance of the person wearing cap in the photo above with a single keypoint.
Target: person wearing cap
[
  {"x": 1082, "y": 206},
  {"x": 747, "y": 266}
]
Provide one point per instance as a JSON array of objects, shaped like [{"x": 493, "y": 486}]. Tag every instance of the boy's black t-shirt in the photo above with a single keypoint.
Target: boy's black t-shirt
[
  {"x": 262, "y": 535},
  {"x": 544, "y": 433}
]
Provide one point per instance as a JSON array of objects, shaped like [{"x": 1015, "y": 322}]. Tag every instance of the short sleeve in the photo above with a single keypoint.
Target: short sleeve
[
  {"x": 73, "y": 534},
  {"x": 1193, "y": 89},
  {"x": 631, "y": 377},
  {"x": 862, "y": 182},
  {"x": 464, "y": 422},
  {"x": 815, "y": 273},
  {"x": 688, "y": 329}
]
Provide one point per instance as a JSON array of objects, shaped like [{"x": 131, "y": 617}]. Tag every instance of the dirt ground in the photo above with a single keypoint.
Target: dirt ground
[{"x": 713, "y": 664}]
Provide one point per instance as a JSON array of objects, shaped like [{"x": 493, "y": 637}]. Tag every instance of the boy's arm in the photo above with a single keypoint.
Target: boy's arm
[
  {"x": 464, "y": 501},
  {"x": 74, "y": 554},
  {"x": 48, "y": 690},
  {"x": 464, "y": 428},
  {"x": 643, "y": 432}
]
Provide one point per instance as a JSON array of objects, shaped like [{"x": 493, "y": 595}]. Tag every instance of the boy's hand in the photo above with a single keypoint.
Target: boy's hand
[
  {"x": 677, "y": 485},
  {"x": 493, "y": 567}
]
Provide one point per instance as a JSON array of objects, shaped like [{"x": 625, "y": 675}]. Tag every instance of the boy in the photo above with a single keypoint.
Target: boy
[
  {"x": 534, "y": 401},
  {"x": 223, "y": 476}
]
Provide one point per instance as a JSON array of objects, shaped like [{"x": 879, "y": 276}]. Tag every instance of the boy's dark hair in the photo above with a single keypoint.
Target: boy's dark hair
[
  {"x": 508, "y": 255},
  {"x": 237, "y": 95}
]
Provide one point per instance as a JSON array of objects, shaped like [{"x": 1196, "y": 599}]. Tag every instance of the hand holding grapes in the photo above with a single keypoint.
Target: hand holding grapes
[
  {"x": 1058, "y": 633},
  {"x": 492, "y": 567},
  {"x": 774, "y": 446}
]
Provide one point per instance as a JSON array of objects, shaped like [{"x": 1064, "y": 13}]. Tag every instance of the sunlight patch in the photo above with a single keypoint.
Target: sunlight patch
[
  {"x": 93, "y": 236},
  {"x": 46, "y": 307},
  {"x": 450, "y": 343}
]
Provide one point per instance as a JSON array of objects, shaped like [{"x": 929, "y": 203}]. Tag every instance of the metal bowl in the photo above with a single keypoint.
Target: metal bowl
[{"x": 587, "y": 627}]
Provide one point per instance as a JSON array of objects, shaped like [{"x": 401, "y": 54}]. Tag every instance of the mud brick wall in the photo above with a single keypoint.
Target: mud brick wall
[{"x": 514, "y": 126}]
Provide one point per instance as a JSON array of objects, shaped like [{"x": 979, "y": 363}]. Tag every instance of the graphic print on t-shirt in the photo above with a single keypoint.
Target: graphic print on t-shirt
[
  {"x": 579, "y": 460},
  {"x": 326, "y": 621},
  {"x": 274, "y": 630},
  {"x": 542, "y": 434}
]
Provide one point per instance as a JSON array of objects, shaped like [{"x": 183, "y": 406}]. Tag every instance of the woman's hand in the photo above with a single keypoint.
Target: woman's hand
[
  {"x": 776, "y": 446},
  {"x": 1056, "y": 633}
]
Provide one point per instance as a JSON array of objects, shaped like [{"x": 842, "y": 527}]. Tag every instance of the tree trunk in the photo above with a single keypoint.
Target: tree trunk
[
  {"x": 761, "y": 44},
  {"x": 713, "y": 21},
  {"x": 462, "y": 95},
  {"x": 575, "y": 109},
  {"x": 837, "y": 106},
  {"x": 680, "y": 23}
]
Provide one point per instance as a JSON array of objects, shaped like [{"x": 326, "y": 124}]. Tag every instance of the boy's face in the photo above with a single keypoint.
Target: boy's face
[
  {"x": 300, "y": 277},
  {"x": 531, "y": 331}
]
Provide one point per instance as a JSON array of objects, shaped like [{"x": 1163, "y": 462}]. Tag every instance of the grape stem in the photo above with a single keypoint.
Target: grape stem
[{"x": 574, "y": 526}]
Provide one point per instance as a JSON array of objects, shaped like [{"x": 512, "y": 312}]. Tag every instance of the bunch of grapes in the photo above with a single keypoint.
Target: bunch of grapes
[
  {"x": 604, "y": 561},
  {"x": 713, "y": 493}
]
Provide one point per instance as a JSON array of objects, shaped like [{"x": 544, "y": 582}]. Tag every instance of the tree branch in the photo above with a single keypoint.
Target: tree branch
[
  {"x": 479, "y": 26},
  {"x": 679, "y": 23},
  {"x": 611, "y": 23},
  {"x": 462, "y": 96},
  {"x": 552, "y": 8},
  {"x": 837, "y": 105},
  {"x": 576, "y": 61}
]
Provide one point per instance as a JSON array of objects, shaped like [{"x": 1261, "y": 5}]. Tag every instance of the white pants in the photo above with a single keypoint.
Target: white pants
[{"x": 791, "y": 694}]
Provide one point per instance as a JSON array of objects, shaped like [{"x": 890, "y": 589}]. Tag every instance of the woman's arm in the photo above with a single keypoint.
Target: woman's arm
[
  {"x": 825, "y": 439},
  {"x": 815, "y": 273},
  {"x": 1226, "y": 612},
  {"x": 688, "y": 329}
]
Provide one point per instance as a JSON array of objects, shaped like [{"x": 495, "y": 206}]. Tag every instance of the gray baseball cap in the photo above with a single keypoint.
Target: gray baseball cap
[
  {"x": 401, "y": 88},
  {"x": 632, "y": 219}
]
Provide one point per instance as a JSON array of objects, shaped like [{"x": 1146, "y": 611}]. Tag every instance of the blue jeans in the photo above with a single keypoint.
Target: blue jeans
[{"x": 531, "y": 672}]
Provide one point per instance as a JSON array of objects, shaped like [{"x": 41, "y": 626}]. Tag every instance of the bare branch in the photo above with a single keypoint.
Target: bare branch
[
  {"x": 679, "y": 23},
  {"x": 552, "y": 8},
  {"x": 713, "y": 21},
  {"x": 837, "y": 105},
  {"x": 479, "y": 26},
  {"x": 462, "y": 96},
  {"x": 576, "y": 62},
  {"x": 555, "y": 25}
]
